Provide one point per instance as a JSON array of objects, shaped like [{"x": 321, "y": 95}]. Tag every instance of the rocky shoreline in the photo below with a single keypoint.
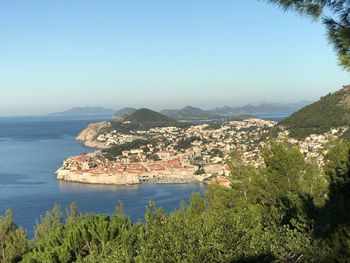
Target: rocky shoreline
[
  {"x": 106, "y": 179},
  {"x": 71, "y": 176},
  {"x": 89, "y": 134}
]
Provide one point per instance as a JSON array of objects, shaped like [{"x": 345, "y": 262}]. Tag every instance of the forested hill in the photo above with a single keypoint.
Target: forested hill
[
  {"x": 142, "y": 119},
  {"x": 331, "y": 111},
  {"x": 148, "y": 116}
]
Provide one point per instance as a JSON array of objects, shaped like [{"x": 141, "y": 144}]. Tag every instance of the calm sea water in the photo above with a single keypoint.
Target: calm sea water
[{"x": 33, "y": 148}]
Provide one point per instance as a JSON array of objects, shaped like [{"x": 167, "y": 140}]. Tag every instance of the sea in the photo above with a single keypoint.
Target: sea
[{"x": 33, "y": 148}]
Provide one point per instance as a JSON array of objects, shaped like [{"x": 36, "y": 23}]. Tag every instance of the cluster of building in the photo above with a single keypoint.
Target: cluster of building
[
  {"x": 112, "y": 138},
  {"x": 195, "y": 153},
  {"x": 79, "y": 168},
  {"x": 313, "y": 146},
  {"x": 204, "y": 145},
  {"x": 175, "y": 154}
]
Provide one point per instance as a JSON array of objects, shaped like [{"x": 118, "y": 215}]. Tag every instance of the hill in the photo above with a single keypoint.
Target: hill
[
  {"x": 331, "y": 111},
  {"x": 143, "y": 119},
  {"x": 84, "y": 111},
  {"x": 144, "y": 115},
  {"x": 190, "y": 113},
  {"x": 264, "y": 108},
  {"x": 125, "y": 111}
]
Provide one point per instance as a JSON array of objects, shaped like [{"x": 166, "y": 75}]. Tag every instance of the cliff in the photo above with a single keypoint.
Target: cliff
[{"x": 89, "y": 134}]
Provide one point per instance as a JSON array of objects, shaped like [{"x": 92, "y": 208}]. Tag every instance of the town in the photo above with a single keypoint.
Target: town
[{"x": 197, "y": 153}]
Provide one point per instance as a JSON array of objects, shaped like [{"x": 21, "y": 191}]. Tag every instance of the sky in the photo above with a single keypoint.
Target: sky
[{"x": 55, "y": 55}]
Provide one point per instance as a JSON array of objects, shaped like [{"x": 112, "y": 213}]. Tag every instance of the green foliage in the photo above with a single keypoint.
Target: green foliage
[
  {"x": 338, "y": 25},
  {"x": 48, "y": 223},
  {"x": 320, "y": 116},
  {"x": 217, "y": 152},
  {"x": 117, "y": 150},
  {"x": 332, "y": 221},
  {"x": 336, "y": 155},
  {"x": 243, "y": 177},
  {"x": 186, "y": 143},
  {"x": 13, "y": 240},
  {"x": 288, "y": 211},
  {"x": 72, "y": 213},
  {"x": 88, "y": 237},
  {"x": 148, "y": 116},
  {"x": 144, "y": 119},
  {"x": 200, "y": 171}
]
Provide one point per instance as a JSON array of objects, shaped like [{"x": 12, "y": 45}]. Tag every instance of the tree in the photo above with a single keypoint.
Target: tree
[
  {"x": 338, "y": 25},
  {"x": 292, "y": 185},
  {"x": 49, "y": 222},
  {"x": 72, "y": 213},
  {"x": 13, "y": 240},
  {"x": 332, "y": 224}
]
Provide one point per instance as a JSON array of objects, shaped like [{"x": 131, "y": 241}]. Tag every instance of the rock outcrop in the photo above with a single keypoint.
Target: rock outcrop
[{"x": 89, "y": 134}]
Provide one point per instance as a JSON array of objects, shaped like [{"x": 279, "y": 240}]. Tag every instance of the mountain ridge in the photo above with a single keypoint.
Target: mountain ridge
[
  {"x": 193, "y": 113},
  {"x": 84, "y": 111}
]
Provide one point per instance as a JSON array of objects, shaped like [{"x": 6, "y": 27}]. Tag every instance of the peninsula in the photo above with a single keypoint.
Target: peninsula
[{"x": 147, "y": 146}]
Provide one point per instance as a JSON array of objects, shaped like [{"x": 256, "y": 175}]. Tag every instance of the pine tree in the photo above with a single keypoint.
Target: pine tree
[{"x": 13, "y": 240}]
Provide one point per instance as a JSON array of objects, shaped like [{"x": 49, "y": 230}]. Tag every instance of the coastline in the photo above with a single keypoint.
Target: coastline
[
  {"x": 179, "y": 157},
  {"x": 129, "y": 178},
  {"x": 89, "y": 134}
]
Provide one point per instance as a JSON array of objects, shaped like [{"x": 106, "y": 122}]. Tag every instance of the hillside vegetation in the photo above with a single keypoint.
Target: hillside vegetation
[
  {"x": 142, "y": 119},
  {"x": 288, "y": 211},
  {"x": 148, "y": 116},
  {"x": 331, "y": 111}
]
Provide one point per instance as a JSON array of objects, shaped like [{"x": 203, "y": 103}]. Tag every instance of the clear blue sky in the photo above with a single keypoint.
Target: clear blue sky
[{"x": 159, "y": 54}]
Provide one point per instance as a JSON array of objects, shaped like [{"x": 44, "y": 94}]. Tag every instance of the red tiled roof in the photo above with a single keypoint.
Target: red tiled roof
[
  {"x": 223, "y": 181},
  {"x": 156, "y": 167}
]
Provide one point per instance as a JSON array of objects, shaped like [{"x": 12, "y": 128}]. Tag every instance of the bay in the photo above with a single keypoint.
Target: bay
[{"x": 33, "y": 148}]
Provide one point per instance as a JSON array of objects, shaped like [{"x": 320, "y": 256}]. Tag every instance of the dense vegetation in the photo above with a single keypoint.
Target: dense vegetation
[
  {"x": 288, "y": 211},
  {"x": 186, "y": 143},
  {"x": 148, "y": 116},
  {"x": 319, "y": 117},
  {"x": 117, "y": 150}
]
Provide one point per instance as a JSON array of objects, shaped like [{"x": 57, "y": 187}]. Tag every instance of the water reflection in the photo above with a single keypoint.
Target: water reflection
[{"x": 72, "y": 187}]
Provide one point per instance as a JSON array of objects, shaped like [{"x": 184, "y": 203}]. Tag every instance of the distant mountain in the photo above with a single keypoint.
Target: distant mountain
[
  {"x": 84, "y": 111},
  {"x": 190, "y": 113},
  {"x": 262, "y": 109},
  {"x": 331, "y": 111},
  {"x": 241, "y": 117},
  {"x": 125, "y": 111}
]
